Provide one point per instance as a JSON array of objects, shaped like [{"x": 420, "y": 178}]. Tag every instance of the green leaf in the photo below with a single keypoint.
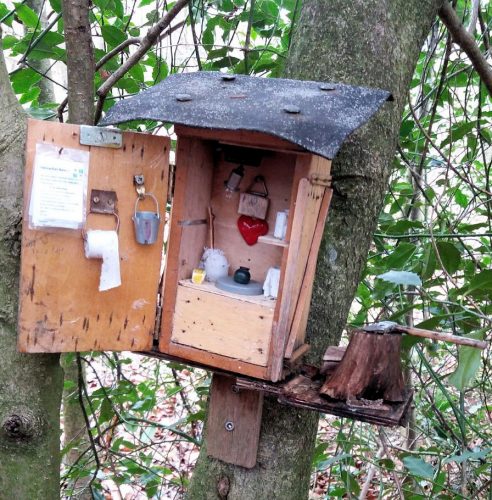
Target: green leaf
[
  {"x": 406, "y": 128},
  {"x": 480, "y": 282},
  {"x": 137, "y": 73},
  {"x": 450, "y": 256},
  {"x": 23, "y": 80},
  {"x": 208, "y": 38},
  {"x": 3, "y": 10},
  {"x": 428, "y": 262},
  {"x": 400, "y": 256},
  {"x": 418, "y": 467},
  {"x": 112, "y": 35},
  {"x": 52, "y": 38},
  {"x": 337, "y": 458},
  {"x": 350, "y": 482},
  {"x": 460, "y": 198},
  {"x": 106, "y": 412},
  {"x": 31, "y": 95},
  {"x": 9, "y": 41},
  {"x": 458, "y": 132},
  {"x": 468, "y": 364},
  {"x": 56, "y": 5},
  {"x": 401, "y": 278},
  {"x": 28, "y": 17},
  {"x": 467, "y": 455},
  {"x": 41, "y": 113},
  {"x": 160, "y": 71}
]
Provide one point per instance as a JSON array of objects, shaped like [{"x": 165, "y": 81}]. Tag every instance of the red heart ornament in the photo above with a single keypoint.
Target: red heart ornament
[{"x": 251, "y": 228}]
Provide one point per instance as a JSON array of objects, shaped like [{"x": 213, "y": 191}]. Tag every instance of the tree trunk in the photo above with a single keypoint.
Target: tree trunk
[
  {"x": 80, "y": 84},
  {"x": 30, "y": 385},
  {"x": 362, "y": 42},
  {"x": 80, "y": 61}
]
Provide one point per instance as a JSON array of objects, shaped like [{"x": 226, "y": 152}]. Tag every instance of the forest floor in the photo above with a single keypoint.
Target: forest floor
[{"x": 156, "y": 427}]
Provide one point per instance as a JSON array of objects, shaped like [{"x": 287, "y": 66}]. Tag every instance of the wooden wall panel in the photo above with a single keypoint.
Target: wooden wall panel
[
  {"x": 225, "y": 325},
  {"x": 61, "y": 308}
]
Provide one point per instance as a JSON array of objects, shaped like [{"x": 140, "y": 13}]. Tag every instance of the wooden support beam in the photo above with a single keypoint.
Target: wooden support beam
[{"x": 233, "y": 423}]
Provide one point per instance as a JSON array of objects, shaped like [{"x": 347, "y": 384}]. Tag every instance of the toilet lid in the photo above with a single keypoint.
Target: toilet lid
[{"x": 228, "y": 284}]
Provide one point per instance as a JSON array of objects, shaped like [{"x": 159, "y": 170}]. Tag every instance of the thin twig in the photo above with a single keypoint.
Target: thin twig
[
  {"x": 81, "y": 387},
  {"x": 195, "y": 38},
  {"x": 147, "y": 41},
  {"x": 120, "y": 48}
]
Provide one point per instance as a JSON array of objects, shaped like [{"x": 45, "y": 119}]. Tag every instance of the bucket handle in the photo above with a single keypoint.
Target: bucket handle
[{"x": 141, "y": 198}]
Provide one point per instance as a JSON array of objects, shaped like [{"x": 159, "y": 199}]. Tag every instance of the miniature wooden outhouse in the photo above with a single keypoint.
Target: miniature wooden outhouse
[{"x": 106, "y": 266}]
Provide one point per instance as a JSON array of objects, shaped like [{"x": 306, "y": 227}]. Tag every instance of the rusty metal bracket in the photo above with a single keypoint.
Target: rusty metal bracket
[{"x": 103, "y": 202}]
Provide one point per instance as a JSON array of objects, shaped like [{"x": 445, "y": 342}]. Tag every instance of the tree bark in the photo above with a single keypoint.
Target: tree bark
[
  {"x": 362, "y": 42},
  {"x": 80, "y": 61},
  {"x": 30, "y": 386}
]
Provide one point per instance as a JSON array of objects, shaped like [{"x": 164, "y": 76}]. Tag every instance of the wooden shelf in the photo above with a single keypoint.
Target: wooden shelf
[
  {"x": 208, "y": 287},
  {"x": 269, "y": 239}
]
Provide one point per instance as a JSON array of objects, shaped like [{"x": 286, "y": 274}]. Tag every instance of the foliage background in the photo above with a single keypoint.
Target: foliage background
[{"x": 430, "y": 263}]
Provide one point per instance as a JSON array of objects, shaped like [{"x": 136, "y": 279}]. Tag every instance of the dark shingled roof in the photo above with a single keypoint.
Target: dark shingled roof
[{"x": 316, "y": 116}]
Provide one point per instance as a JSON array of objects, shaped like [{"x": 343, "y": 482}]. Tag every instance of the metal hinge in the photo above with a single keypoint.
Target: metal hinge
[
  {"x": 101, "y": 137},
  {"x": 319, "y": 180}
]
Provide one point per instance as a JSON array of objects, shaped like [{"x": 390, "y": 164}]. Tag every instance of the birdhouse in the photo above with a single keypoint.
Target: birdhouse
[{"x": 212, "y": 265}]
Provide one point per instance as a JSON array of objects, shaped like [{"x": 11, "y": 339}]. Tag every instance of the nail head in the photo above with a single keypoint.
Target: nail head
[
  {"x": 292, "y": 109},
  {"x": 327, "y": 87}
]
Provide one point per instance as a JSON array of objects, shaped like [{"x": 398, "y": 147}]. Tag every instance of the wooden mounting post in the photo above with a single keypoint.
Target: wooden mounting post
[{"x": 233, "y": 423}]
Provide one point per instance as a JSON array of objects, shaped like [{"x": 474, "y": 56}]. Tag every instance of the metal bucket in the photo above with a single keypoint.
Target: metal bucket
[{"x": 146, "y": 223}]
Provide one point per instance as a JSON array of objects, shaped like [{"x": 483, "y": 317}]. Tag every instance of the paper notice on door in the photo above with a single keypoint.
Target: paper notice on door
[{"x": 59, "y": 187}]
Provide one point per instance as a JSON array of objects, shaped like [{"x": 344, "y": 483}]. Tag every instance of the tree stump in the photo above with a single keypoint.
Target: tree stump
[{"x": 370, "y": 369}]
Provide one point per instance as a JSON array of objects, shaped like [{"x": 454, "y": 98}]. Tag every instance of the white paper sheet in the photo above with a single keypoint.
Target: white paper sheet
[{"x": 59, "y": 187}]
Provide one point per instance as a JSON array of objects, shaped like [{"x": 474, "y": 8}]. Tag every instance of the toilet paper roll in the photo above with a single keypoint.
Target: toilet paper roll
[
  {"x": 104, "y": 245},
  {"x": 272, "y": 282}
]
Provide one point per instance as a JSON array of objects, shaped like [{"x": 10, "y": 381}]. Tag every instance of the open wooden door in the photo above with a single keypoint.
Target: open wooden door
[{"x": 61, "y": 307}]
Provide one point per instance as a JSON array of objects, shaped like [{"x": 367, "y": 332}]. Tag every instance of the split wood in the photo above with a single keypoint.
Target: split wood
[{"x": 444, "y": 337}]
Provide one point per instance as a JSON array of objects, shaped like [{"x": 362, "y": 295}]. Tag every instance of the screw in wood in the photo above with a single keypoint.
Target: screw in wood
[
  {"x": 229, "y": 426},
  {"x": 95, "y": 199}
]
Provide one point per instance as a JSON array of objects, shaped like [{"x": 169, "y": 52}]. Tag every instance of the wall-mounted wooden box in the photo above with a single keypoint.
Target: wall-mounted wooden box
[
  {"x": 221, "y": 329},
  {"x": 294, "y": 128}
]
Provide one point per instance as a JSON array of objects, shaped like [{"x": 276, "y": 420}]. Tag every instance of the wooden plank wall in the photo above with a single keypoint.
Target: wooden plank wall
[{"x": 61, "y": 309}]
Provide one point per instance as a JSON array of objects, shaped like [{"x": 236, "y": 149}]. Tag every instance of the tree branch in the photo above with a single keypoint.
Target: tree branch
[
  {"x": 467, "y": 43},
  {"x": 148, "y": 40}
]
